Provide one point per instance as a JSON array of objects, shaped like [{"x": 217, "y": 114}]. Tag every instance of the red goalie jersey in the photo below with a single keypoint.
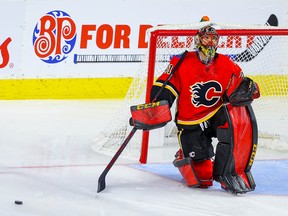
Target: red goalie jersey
[{"x": 199, "y": 88}]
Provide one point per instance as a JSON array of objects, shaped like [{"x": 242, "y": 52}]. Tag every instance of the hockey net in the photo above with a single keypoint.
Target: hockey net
[{"x": 261, "y": 51}]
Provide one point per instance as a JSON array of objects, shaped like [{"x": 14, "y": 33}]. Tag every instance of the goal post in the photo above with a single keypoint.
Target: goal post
[{"x": 261, "y": 52}]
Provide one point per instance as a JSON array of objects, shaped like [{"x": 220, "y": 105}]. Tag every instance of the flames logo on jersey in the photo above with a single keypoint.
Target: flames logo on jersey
[{"x": 206, "y": 93}]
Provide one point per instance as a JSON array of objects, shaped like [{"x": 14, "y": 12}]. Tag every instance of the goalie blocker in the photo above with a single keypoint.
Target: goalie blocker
[{"x": 150, "y": 115}]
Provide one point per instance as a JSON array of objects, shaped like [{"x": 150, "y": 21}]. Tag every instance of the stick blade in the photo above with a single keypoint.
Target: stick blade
[
  {"x": 101, "y": 184},
  {"x": 272, "y": 20}
]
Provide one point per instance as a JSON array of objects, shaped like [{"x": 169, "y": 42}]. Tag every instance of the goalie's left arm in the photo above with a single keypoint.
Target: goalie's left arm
[{"x": 245, "y": 93}]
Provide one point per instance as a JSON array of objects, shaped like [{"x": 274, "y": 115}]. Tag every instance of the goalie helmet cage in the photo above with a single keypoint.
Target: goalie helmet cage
[{"x": 260, "y": 51}]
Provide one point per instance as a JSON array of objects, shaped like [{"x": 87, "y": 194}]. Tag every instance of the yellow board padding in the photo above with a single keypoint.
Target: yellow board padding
[
  {"x": 276, "y": 85},
  {"x": 64, "y": 88},
  {"x": 93, "y": 88}
]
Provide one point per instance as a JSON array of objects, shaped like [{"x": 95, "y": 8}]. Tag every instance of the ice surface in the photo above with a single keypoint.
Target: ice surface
[{"x": 46, "y": 161}]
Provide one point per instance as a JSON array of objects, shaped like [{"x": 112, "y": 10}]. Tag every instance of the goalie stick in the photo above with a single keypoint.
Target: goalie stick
[
  {"x": 258, "y": 44},
  {"x": 101, "y": 180}
]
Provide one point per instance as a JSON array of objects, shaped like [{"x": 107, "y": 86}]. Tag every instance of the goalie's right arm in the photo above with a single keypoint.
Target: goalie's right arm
[{"x": 165, "y": 94}]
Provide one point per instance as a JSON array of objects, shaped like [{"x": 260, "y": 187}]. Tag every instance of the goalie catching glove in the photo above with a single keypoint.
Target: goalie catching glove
[
  {"x": 245, "y": 93},
  {"x": 151, "y": 115}
]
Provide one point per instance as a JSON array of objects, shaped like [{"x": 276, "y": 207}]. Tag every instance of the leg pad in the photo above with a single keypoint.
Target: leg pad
[
  {"x": 196, "y": 174},
  {"x": 187, "y": 170}
]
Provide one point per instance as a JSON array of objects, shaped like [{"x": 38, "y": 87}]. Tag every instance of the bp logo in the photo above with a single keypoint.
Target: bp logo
[{"x": 54, "y": 37}]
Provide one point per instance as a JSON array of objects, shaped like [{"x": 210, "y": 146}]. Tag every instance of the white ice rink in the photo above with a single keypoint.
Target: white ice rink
[{"x": 46, "y": 162}]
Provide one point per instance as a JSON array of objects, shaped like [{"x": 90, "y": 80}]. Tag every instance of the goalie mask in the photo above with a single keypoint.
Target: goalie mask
[{"x": 206, "y": 41}]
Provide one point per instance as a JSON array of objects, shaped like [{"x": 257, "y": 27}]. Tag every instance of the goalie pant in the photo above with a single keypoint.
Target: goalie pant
[{"x": 234, "y": 158}]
